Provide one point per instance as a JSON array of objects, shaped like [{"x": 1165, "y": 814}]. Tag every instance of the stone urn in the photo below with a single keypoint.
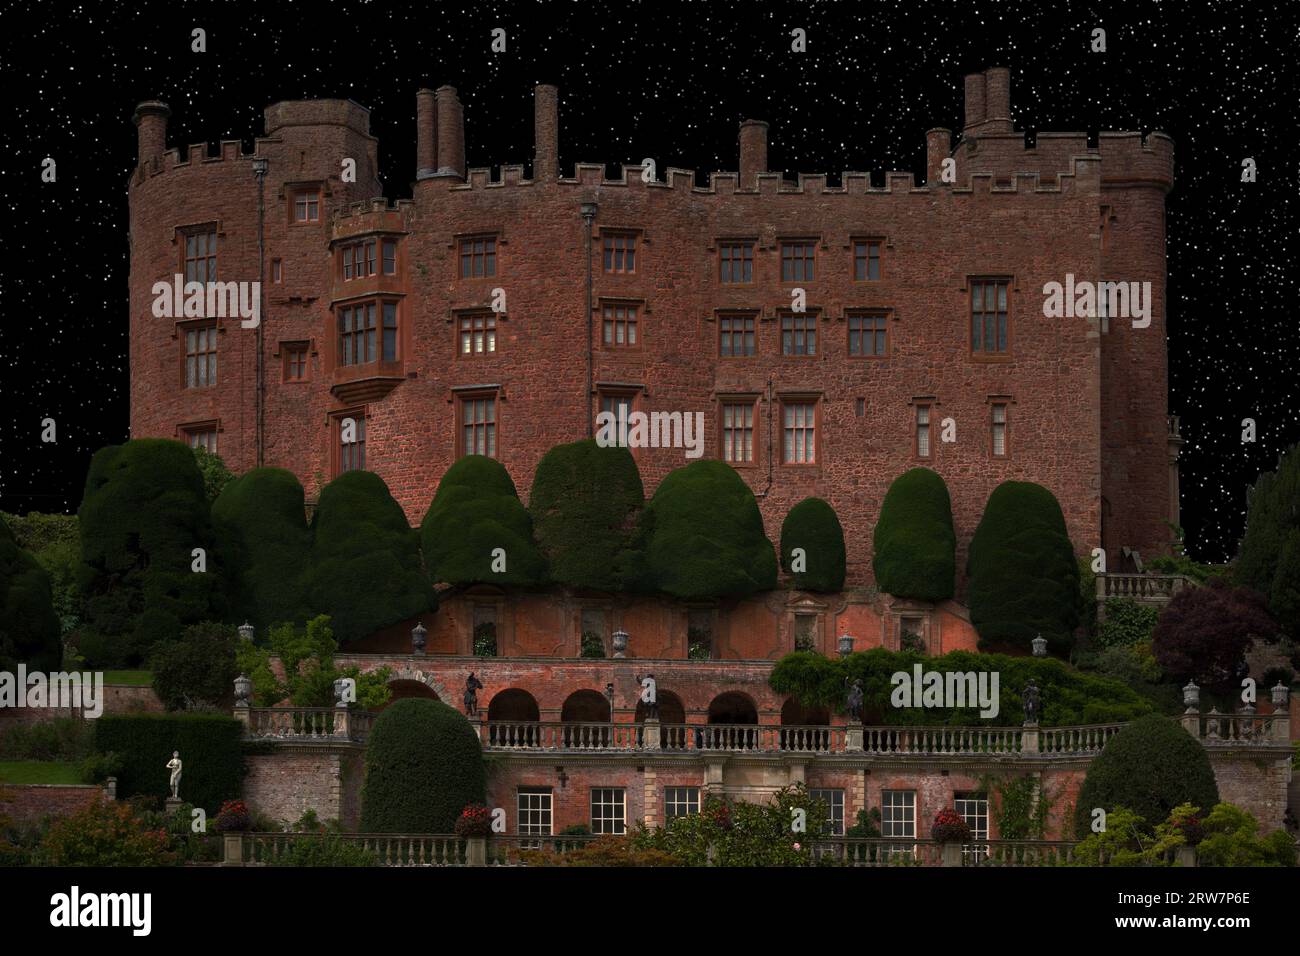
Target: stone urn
[{"x": 620, "y": 643}]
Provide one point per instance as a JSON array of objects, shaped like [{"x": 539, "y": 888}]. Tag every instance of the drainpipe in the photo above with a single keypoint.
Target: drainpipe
[
  {"x": 588, "y": 217},
  {"x": 770, "y": 413},
  {"x": 259, "y": 169}
]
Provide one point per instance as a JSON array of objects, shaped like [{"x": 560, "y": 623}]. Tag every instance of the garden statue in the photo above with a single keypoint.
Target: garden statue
[
  {"x": 854, "y": 703},
  {"x": 472, "y": 686},
  {"x": 1030, "y": 698},
  {"x": 174, "y": 765},
  {"x": 649, "y": 696}
]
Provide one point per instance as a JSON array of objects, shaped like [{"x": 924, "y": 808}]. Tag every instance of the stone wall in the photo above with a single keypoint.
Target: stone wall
[
  {"x": 27, "y": 804},
  {"x": 294, "y": 779}
]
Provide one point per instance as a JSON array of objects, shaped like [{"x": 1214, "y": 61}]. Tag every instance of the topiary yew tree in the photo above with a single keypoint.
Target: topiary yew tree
[
  {"x": 1269, "y": 558},
  {"x": 705, "y": 536},
  {"x": 475, "y": 512},
  {"x": 365, "y": 568},
  {"x": 1203, "y": 634},
  {"x": 914, "y": 542},
  {"x": 143, "y": 513},
  {"x": 585, "y": 503},
  {"x": 813, "y": 527},
  {"x": 260, "y": 523},
  {"x": 424, "y": 764},
  {"x": 29, "y": 627},
  {"x": 1149, "y": 767},
  {"x": 1024, "y": 579}
]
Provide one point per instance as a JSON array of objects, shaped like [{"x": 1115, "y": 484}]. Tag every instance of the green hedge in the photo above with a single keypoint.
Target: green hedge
[
  {"x": 1066, "y": 696},
  {"x": 585, "y": 503},
  {"x": 1149, "y": 767},
  {"x": 475, "y": 511},
  {"x": 424, "y": 764},
  {"x": 1024, "y": 577},
  {"x": 813, "y": 526},
  {"x": 209, "y": 744},
  {"x": 914, "y": 542},
  {"x": 29, "y": 628}
]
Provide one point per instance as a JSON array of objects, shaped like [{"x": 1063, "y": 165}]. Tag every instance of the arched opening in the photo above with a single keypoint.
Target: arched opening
[
  {"x": 804, "y": 728},
  {"x": 588, "y": 713},
  {"x": 402, "y": 688},
  {"x": 672, "y": 721},
  {"x": 733, "y": 723},
  {"x": 513, "y": 718}
]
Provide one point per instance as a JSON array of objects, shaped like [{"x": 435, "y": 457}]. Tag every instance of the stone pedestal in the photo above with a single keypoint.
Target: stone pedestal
[
  {"x": 1029, "y": 739},
  {"x": 232, "y": 845},
  {"x": 853, "y": 738},
  {"x": 476, "y": 851},
  {"x": 651, "y": 739},
  {"x": 950, "y": 854},
  {"x": 172, "y": 804}
]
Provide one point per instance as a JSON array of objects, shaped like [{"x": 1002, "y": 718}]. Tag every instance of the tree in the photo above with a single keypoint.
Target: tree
[
  {"x": 214, "y": 471},
  {"x": 1024, "y": 579},
  {"x": 585, "y": 503},
  {"x": 260, "y": 523},
  {"x": 813, "y": 527},
  {"x": 705, "y": 535},
  {"x": 29, "y": 628},
  {"x": 477, "y": 531},
  {"x": 55, "y": 542},
  {"x": 365, "y": 563},
  {"x": 1203, "y": 633},
  {"x": 424, "y": 764},
  {"x": 142, "y": 517},
  {"x": 306, "y": 657},
  {"x": 915, "y": 545},
  {"x": 197, "y": 669},
  {"x": 1269, "y": 557},
  {"x": 1150, "y": 767}
]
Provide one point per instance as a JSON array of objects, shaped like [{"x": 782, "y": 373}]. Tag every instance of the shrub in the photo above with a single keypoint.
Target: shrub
[
  {"x": 950, "y": 827},
  {"x": 209, "y": 746},
  {"x": 485, "y": 639},
  {"x": 97, "y": 768},
  {"x": 474, "y": 821},
  {"x": 585, "y": 503},
  {"x": 68, "y": 739},
  {"x": 1024, "y": 578},
  {"x": 915, "y": 545},
  {"x": 593, "y": 645},
  {"x": 214, "y": 471},
  {"x": 1124, "y": 842},
  {"x": 1203, "y": 634},
  {"x": 424, "y": 764},
  {"x": 197, "y": 669},
  {"x": 365, "y": 562},
  {"x": 619, "y": 851},
  {"x": 260, "y": 523},
  {"x": 475, "y": 511},
  {"x": 740, "y": 834},
  {"x": 1149, "y": 767},
  {"x": 325, "y": 849},
  {"x": 306, "y": 656},
  {"x": 813, "y": 526},
  {"x": 104, "y": 834},
  {"x": 55, "y": 542},
  {"x": 1269, "y": 558},
  {"x": 142, "y": 514},
  {"x": 1231, "y": 839},
  {"x": 1127, "y": 622},
  {"x": 705, "y": 535},
  {"x": 29, "y": 627}
]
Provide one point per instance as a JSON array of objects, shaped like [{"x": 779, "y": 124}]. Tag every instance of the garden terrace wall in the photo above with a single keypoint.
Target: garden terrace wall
[
  {"x": 26, "y": 805},
  {"x": 289, "y": 780}
]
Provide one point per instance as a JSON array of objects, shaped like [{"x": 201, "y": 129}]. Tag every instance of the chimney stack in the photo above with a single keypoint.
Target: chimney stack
[
  {"x": 938, "y": 147},
  {"x": 150, "y": 119},
  {"x": 753, "y": 152},
  {"x": 546, "y": 133},
  {"x": 451, "y": 133},
  {"x": 426, "y": 134},
  {"x": 975, "y": 114},
  {"x": 997, "y": 100}
]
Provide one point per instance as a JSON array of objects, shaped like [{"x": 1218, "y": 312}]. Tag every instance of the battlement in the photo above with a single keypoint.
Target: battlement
[{"x": 346, "y": 113}]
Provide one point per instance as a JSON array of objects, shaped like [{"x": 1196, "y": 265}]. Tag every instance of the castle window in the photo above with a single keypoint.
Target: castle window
[
  {"x": 620, "y": 253},
  {"x": 357, "y": 334},
  {"x": 998, "y": 427},
  {"x": 534, "y": 811},
  {"x": 988, "y": 310},
  {"x": 619, "y": 325},
  {"x": 478, "y": 425},
  {"x": 306, "y": 206},
  {"x": 295, "y": 362},
  {"x": 478, "y": 257},
  {"x": 478, "y": 334},
  {"x": 738, "y": 432},
  {"x": 799, "y": 334},
  {"x": 866, "y": 260},
  {"x": 608, "y": 810},
  {"x": 390, "y": 257},
  {"x": 359, "y": 259},
  {"x": 390, "y": 332},
  {"x": 680, "y": 802},
  {"x": 620, "y": 405},
  {"x": 834, "y": 800},
  {"x": 735, "y": 262},
  {"x": 352, "y": 442},
  {"x": 201, "y": 355},
  {"x": 736, "y": 336},
  {"x": 800, "y": 420},
  {"x": 204, "y": 437},
  {"x": 797, "y": 261},
  {"x": 923, "y": 430},
  {"x": 201, "y": 256},
  {"x": 867, "y": 335},
  {"x": 277, "y": 271}
]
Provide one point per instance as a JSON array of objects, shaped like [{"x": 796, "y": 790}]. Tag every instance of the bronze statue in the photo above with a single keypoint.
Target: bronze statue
[
  {"x": 854, "y": 701},
  {"x": 472, "y": 686},
  {"x": 1031, "y": 702}
]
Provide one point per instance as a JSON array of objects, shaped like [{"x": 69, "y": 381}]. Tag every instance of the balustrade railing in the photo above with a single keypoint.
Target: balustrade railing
[
  {"x": 390, "y": 849},
  {"x": 1141, "y": 587},
  {"x": 308, "y": 723},
  {"x": 1076, "y": 740},
  {"x": 941, "y": 740},
  {"x": 1237, "y": 729}
]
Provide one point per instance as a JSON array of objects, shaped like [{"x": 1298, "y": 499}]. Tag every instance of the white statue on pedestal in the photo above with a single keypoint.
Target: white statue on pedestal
[{"x": 174, "y": 765}]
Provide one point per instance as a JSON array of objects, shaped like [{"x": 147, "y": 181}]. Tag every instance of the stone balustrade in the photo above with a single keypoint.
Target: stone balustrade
[
  {"x": 305, "y": 723},
  {"x": 1147, "y": 588}
]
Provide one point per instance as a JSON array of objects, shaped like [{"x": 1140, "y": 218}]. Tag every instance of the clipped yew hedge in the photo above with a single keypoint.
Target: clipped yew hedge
[
  {"x": 813, "y": 526},
  {"x": 209, "y": 744},
  {"x": 914, "y": 542},
  {"x": 29, "y": 627}
]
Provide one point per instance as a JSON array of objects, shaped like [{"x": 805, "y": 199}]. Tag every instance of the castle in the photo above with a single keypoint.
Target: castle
[{"x": 829, "y": 337}]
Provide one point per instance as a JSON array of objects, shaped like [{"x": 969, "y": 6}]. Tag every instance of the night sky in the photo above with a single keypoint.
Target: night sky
[{"x": 668, "y": 81}]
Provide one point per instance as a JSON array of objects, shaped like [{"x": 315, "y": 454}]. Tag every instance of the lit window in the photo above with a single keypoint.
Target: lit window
[
  {"x": 201, "y": 356},
  {"x": 800, "y": 433},
  {"x": 923, "y": 431},
  {"x": 478, "y": 422},
  {"x": 478, "y": 334},
  {"x": 205, "y": 438},
  {"x": 608, "y": 810},
  {"x": 988, "y": 311},
  {"x": 738, "y": 431},
  {"x": 620, "y": 325},
  {"x": 306, "y": 207}
]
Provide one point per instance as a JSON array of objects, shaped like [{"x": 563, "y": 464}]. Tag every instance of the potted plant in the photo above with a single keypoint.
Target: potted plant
[
  {"x": 951, "y": 831},
  {"x": 233, "y": 820},
  {"x": 473, "y": 826}
]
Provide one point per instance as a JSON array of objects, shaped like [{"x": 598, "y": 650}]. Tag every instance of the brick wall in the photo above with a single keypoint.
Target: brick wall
[
  {"x": 27, "y": 804},
  {"x": 286, "y": 784}
]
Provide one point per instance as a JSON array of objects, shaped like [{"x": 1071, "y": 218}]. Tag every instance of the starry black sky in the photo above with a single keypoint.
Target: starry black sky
[{"x": 669, "y": 81}]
